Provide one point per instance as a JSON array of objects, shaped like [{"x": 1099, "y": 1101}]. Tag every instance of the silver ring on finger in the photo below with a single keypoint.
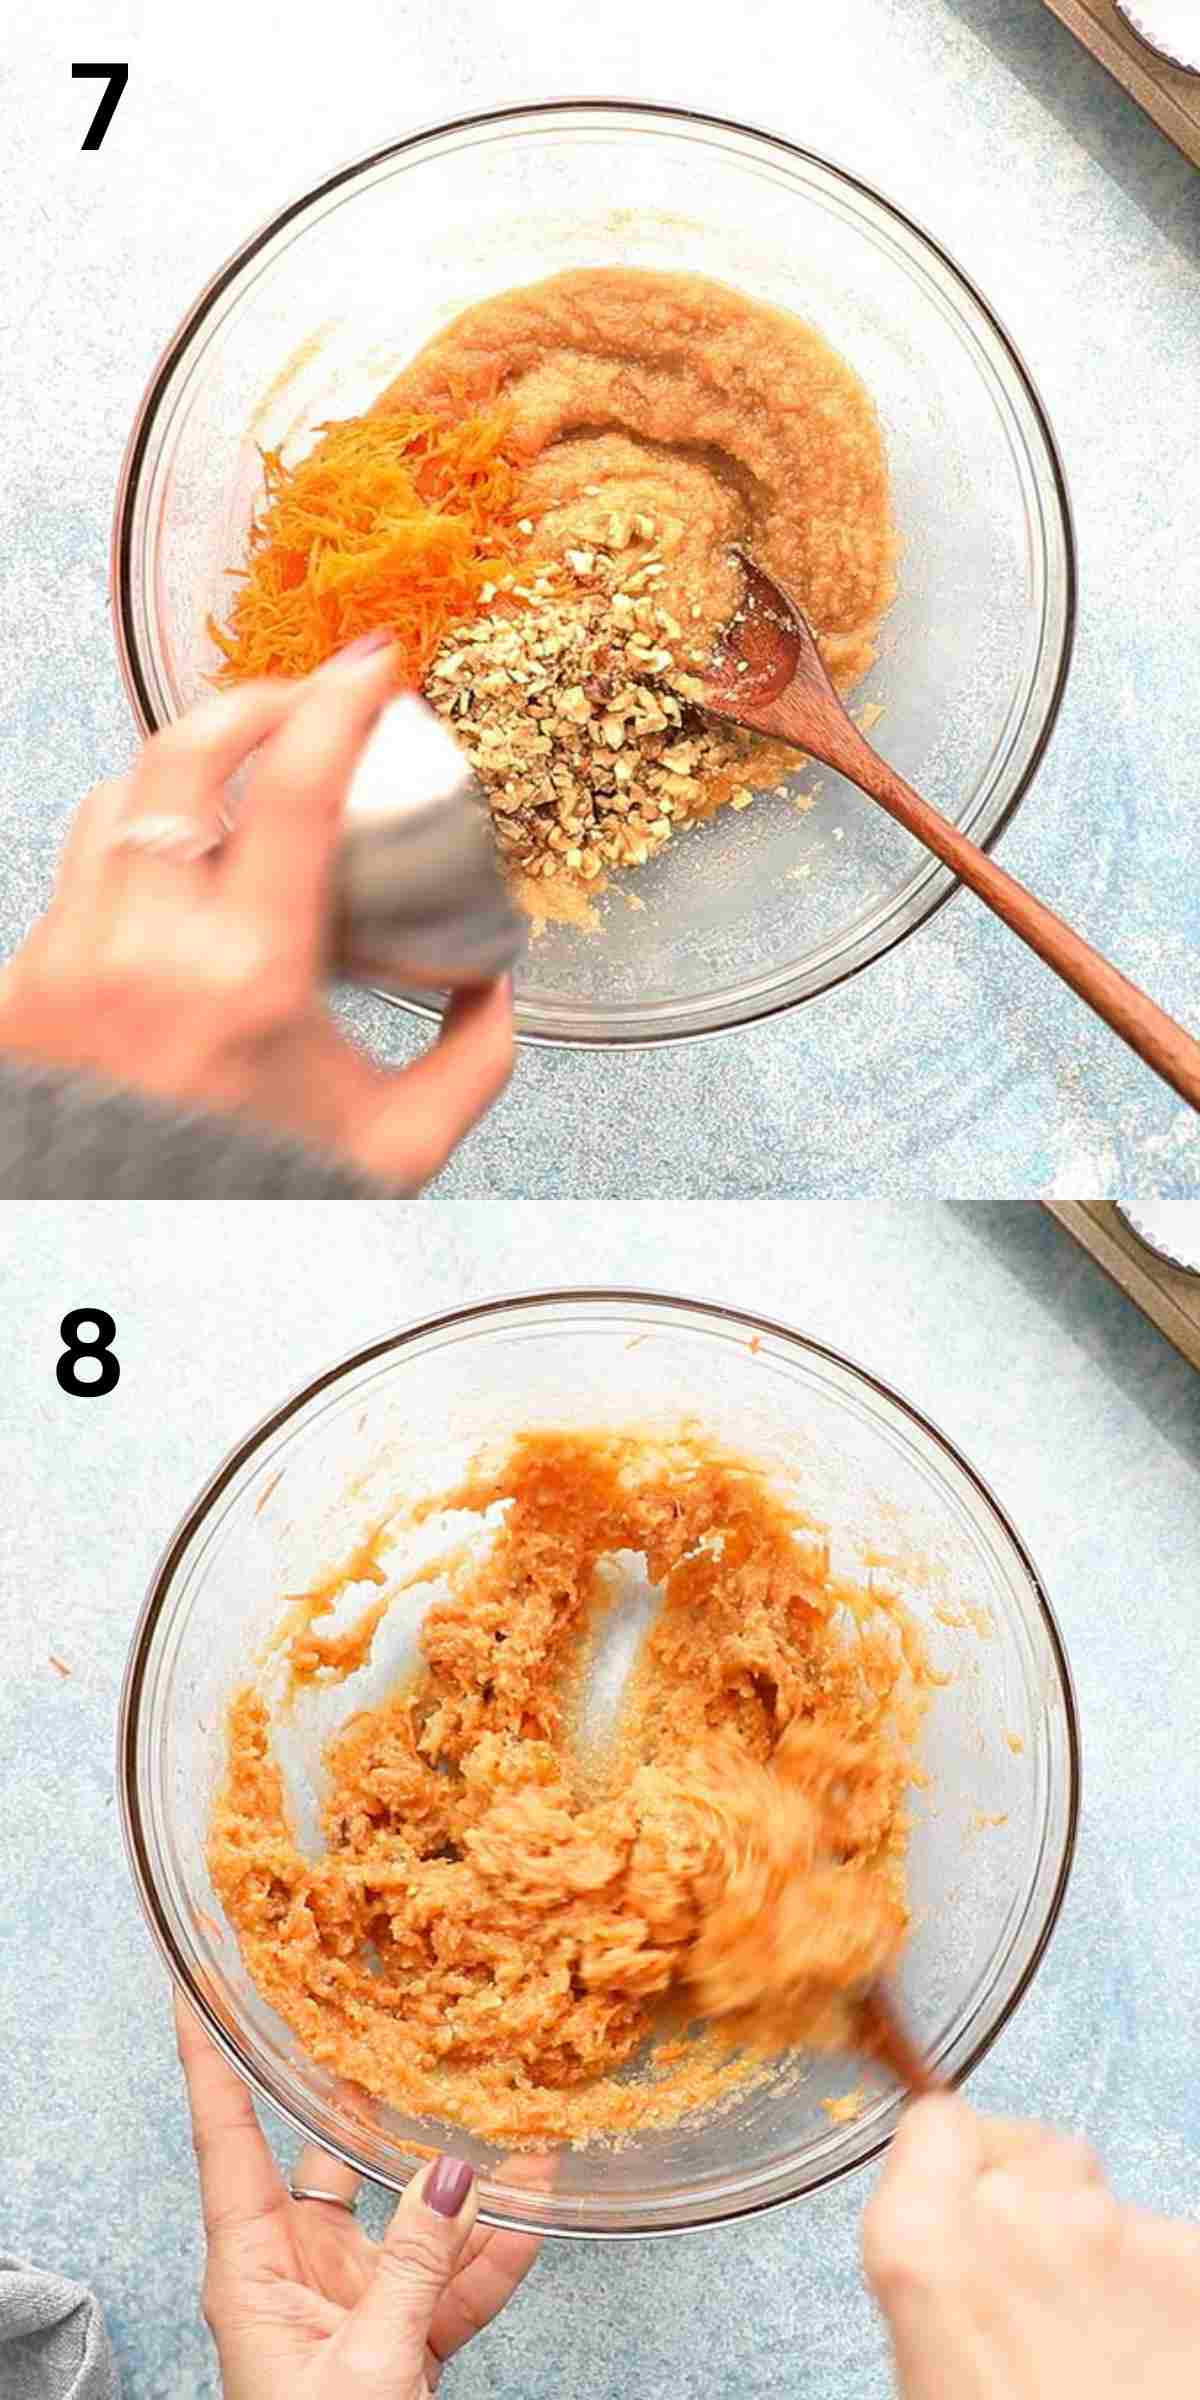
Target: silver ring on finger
[
  {"x": 311, "y": 2191},
  {"x": 183, "y": 840}
]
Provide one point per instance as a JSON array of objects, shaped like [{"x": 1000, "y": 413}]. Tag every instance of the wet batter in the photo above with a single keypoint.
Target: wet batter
[
  {"x": 504, "y": 1918},
  {"x": 679, "y": 400}
]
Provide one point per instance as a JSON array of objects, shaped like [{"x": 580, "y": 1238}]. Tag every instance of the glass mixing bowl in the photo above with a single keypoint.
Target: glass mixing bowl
[
  {"x": 992, "y": 1834},
  {"x": 758, "y": 910}
]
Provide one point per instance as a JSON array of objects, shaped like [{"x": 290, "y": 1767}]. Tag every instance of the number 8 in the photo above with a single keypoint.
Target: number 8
[{"x": 100, "y": 1348}]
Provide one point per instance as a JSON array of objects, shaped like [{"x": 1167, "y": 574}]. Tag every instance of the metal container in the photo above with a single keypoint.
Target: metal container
[
  {"x": 1167, "y": 27},
  {"x": 421, "y": 898},
  {"x": 1170, "y": 1228}
]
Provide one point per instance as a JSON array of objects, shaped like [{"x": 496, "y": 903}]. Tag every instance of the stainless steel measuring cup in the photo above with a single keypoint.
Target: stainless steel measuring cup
[{"x": 421, "y": 898}]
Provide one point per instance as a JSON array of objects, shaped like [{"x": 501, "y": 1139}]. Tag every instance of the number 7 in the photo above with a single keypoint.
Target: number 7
[{"x": 116, "y": 78}]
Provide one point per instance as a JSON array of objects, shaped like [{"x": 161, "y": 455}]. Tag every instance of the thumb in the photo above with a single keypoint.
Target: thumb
[{"x": 387, "y": 2333}]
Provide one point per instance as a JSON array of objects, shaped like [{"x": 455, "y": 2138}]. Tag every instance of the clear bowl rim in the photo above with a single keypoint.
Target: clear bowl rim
[
  {"x": 478, "y": 1312},
  {"x": 428, "y": 1007}
]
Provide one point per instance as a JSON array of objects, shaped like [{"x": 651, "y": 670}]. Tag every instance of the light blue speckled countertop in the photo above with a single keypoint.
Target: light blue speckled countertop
[
  {"x": 975, "y": 1072},
  {"x": 1086, "y": 1423}
]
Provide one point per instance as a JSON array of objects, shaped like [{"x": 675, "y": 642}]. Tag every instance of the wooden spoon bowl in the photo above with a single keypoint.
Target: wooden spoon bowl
[{"x": 768, "y": 674}]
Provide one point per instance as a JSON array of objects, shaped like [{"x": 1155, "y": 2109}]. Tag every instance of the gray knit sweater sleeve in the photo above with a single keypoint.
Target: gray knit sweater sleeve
[
  {"x": 67, "y": 1137},
  {"x": 53, "y": 2345}
]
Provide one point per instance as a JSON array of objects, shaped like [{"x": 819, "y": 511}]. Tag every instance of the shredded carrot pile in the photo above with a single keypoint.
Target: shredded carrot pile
[{"x": 394, "y": 519}]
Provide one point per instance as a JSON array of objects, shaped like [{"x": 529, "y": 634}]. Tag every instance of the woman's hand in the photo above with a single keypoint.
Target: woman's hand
[
  {"x": 1007, "y": 2270},
  {"x": 301, "y": 2305},
  {"x": 186, "y": 958}
]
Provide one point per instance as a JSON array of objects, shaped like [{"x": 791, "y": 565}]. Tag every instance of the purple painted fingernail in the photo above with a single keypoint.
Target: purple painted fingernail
[
  {"x": 362, "y": 648},
  {"x": 449, "y": 2185}
]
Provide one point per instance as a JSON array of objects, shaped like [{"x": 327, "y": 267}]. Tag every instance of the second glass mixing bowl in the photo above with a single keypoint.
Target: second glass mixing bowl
[
  {"x": 992, "y": 1833},
  {"x": 310, "y": 320}
]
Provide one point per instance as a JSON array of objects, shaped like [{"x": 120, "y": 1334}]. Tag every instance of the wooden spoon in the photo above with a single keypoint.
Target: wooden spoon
[
  {"x": 767, "y": 673},
  {"x": 885, "y": 2037}
]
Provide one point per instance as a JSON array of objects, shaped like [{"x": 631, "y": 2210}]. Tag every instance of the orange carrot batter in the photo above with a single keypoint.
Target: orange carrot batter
[{"x": 504, "y": 1919}]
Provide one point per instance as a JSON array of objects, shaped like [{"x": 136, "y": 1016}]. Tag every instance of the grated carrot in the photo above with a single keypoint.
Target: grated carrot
[{"x": 394, "y": 519}]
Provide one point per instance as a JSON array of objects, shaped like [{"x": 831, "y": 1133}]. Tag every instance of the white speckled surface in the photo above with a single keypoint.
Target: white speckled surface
[
  {"x": 957, "y": 1064},
  {"x": 994, "y": 1323}
]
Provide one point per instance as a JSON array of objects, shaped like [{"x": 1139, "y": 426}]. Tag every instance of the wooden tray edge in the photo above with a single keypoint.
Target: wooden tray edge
[
  {"x": 1156, "y": 87},
  {"x": 1168, "y": 1297}
]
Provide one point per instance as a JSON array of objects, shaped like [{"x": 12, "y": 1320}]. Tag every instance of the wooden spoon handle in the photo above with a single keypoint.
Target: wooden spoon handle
[
  {"x": 1148, "y": 1029},
  {"x": 885, "y": 2037}
]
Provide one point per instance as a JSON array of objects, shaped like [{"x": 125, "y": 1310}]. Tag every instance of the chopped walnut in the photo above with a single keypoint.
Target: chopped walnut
[{"x": 575, "y": 709}]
